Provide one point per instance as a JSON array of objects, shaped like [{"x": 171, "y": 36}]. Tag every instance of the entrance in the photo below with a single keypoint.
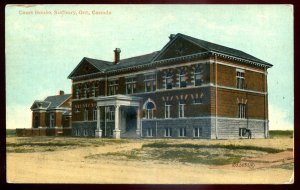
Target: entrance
[
  {"x": 131, "y": 119},
  {"x": 36, "y": 122}
]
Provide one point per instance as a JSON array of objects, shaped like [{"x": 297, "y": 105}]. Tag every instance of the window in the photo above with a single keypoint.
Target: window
[
  {"x": 150, "y": 84},
  {"x": 198, "y": 132},
  {"x": 130, "y": 85},
  {"x": 167, "y": 110},
  {"x": 242, "y": 110},
  {"x": 242, "y": 132},
  {"x": 86, "y": 114},
  {"x": 85, "y": 132},
  {"x": 86, "y": 91},
  {"x": 168, "y": 81},
  {"x": 77, "y": 132},
  {"x": 181, "y": 109},
  {"x": 198, "y": 76},
  {"x": 182, "y": 79},
  {"x": 149, "y": 132},
  {"x": 112, "y": 87},
  {"x": 182, "y": 132},
  {"x": 110, "y": 114},
  {"x": 77, "y": 91},
  {"x": 51, "y": 120},
  {"x": 149, "y": 107},
  {"x": 240, "y": 79},
  {"x": 95, "y": 114},
  {"x": 168, "y": 132},
  {"x": 94, "y": 90},
  {"x": 198, "y": 101}
]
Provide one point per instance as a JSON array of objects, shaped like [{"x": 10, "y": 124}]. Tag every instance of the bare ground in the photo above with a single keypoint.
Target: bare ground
[{"x": 72, "y": 166}]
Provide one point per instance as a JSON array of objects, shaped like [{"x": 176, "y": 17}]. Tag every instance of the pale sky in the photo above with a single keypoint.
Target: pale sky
[{"x": 43, "y": 49}]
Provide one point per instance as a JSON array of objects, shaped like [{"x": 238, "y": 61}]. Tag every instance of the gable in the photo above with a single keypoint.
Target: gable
[
  {"x": 67, "y": 103},
  {"x": 83, "y": 68},
  {"x": 179, "y": 47}
]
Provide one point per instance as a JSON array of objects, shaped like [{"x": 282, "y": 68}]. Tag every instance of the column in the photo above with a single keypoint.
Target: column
[
  {"x": 138, "y": 122},
  {"x": 117, "y": 131},
  {"x": 98, "y": 132}
]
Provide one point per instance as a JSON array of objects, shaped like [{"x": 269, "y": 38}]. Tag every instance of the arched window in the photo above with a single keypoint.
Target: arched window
[{"x": 149, "y": 107}]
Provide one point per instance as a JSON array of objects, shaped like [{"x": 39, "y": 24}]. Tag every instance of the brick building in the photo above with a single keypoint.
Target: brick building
[
  {"x": 189, "y": 89},
  {"x": 53, "y": 112}
]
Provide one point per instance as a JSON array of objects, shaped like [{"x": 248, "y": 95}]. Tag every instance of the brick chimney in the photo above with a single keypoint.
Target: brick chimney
[
  {"x": 117, "y": 55},
  {"x": 61, "y": 92}
]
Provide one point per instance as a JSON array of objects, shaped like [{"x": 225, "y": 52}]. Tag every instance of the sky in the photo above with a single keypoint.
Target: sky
[{"x": 43, "y": 49}]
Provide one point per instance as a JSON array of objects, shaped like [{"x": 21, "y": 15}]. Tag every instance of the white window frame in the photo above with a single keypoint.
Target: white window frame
[
  {"x": 130, "y": 82},
  {"x": 181, "y": 107},
  {"x": 86, "y": 114},
  {"x": 242, "y": 111},
  {"x": 112, "y": 87},
  {"x": 86, "y": 89},
  {"x": 149, "y": 113},
  {"x": 240, "y": 79},
  {"x": 197, "y": 72},
  {"x": 77, "y": 92},
  {"x": 94, "y": 90},
  {"x": 95, "y": 114},
  {"x": 110, "y": 113},
  {"x": 85, "y": 132},
  {"x": 199, "y": 131},
  {"x": 168, "y": 132},
  {"x": 168, "y": 77},
  {"x": 242, "y": 132},
  {"x": 150, "y": 78},
  {"x": 167, "y": 111},
  {"x": 182, "y": 78},
  {"x": 182, "y": 132},
  {"x": 149, "y": 132},
  {"x": 51, "y": 120}
]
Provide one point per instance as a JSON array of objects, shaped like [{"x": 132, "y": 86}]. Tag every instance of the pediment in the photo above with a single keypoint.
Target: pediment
[
  {"x": 84, "y": 68},
  {"x": 179, "y": 47}
]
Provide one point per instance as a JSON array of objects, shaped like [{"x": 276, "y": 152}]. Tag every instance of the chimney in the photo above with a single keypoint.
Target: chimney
[
  {"x": 61, "y": 92},
  {"x": 172, "y": 36},
  {"x": 117, "y": 55}
]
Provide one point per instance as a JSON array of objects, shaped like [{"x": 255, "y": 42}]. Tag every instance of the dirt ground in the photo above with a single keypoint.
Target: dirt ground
[{"x": 72, "y": 166}]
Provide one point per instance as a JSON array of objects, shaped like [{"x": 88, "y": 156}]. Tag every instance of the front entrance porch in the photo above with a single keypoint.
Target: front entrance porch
[{"x": 124, "y": 111}]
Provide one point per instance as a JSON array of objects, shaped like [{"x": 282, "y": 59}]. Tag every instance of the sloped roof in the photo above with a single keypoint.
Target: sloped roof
[
  {"x": 41, "y": 104},
  {"x": 133, "y": 61},
  {"x": 106, "y": 66},
  {"x": 56, "y": 101},
  {"x": 99, "y": 64},
  {"x": 222, "y": 49}
]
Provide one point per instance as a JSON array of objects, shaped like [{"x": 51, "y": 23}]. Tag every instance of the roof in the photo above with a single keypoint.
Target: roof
[
  {"x": 133, "y": 61},
  {"x": 99, "y": 64},
  {"x": 222, "y": 49},
  {"x": 56, "y": 101},
  {"x": 106, "y": 66},
  {"x": 51, "y": 102}
]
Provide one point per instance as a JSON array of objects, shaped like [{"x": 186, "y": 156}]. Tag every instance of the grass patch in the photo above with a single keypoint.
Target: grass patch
[
  {"x": 44, "y": 144},
  {"x": 281, "y": 134},
  {"x": 199, "y": 146}
]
